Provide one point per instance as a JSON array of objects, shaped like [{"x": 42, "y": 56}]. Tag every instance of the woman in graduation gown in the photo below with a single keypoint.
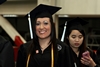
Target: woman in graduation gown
[
  {"x": 44, "y": 50},
  {"x": 81, "y": 56},
  {"x": 6, "y": 53}
]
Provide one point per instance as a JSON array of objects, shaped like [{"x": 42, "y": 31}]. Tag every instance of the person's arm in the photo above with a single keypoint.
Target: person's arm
[
  {"x": 20, "y": 58},
  {"x": 63, "y": 55},
  {"x": 91, "y": 60},
  {"x": 6, "y": 54},
  {"x": 22, "y": 55}
]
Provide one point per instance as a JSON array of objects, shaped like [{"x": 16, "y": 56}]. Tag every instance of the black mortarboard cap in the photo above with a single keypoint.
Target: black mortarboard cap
[
  {"x": 2, "y": 1},
  {"x": 43, "y": 9},
  {"x": 76, "y": 23}
]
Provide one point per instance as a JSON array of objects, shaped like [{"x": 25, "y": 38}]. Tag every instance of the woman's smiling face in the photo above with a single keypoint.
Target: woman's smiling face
[{"x": 43, "y": 27}]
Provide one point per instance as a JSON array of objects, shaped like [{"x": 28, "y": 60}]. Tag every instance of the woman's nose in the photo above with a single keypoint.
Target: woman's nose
[
  {"x": 77, "y": 39},
  {"x": 41, "y": 26}
]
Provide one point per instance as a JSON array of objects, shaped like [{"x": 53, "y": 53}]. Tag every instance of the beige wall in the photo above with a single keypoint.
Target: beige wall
[
  {"x": 49, "y": 2},
  {"x": 79, "y": 7},
  {"x": 69, "y": 7},
  {"x": 17, "y": 7}
]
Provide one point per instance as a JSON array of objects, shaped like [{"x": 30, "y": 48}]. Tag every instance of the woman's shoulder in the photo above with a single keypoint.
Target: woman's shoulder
[
  {"x": 61, "y": 45},
  {"x": 58, "y": 42},
  {"x": 25, "y": 46},
  {"x": 3, "y": 42}
]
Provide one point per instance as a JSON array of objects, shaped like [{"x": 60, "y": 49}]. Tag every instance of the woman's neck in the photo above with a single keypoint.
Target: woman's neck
[
  {"x": 76, "y": 50},
  {"x": 44, "y": 43}
]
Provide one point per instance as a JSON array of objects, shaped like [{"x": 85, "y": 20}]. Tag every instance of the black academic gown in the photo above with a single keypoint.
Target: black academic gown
[
  {"x": 76, "y": 60},
  {"x": 98, "y": 53},
  {"x": 6, "y": 53},
  {"x": 44, "y": 59}
]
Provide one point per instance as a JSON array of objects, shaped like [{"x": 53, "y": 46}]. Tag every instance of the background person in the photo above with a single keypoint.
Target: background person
[
  {"x": 6, "y": 53},
  {"x": 75, "y": 38}
]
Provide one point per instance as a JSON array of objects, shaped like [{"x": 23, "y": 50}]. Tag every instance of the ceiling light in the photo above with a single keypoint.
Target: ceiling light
[{"x": 7, "y": 15}]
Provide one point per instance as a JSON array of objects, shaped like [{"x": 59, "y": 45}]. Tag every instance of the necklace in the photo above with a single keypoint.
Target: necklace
[{"x": 44, "y": 47}]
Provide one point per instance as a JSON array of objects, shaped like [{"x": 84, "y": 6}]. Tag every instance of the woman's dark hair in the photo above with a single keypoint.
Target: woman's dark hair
[{"x": 35, "y": 43}]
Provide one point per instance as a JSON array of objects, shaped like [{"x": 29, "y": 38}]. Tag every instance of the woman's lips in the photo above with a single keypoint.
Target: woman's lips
[{"x": 76, "y": 44}]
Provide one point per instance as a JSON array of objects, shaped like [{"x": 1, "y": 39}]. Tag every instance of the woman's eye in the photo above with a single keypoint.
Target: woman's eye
[
  {"x": 37, "y": 23},
  {"x": 45, "y": 22},
  {"x": 80, "y": 37},
  {"x": 73, "y": 36}
]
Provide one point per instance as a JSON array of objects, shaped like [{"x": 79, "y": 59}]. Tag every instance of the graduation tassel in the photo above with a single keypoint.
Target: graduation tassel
[
  {"x": 75, "y": 64},
  {"x": 63, "y": 35},
  {"x": 30, "y": 25},
  {"x": 52, "y": 56},
  {"x": 28, "y": 60}
]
